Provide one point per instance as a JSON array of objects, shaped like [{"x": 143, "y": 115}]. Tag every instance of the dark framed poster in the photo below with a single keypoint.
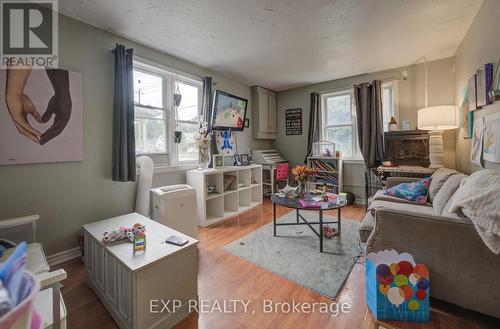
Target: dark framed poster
[{"x": 293, "y": 121}]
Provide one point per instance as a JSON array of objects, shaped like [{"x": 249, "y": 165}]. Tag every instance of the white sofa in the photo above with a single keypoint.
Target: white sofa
[{"x": 24, "y": 229}]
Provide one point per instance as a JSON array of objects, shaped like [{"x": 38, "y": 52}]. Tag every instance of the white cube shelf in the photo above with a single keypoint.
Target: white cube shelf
[{"x": 244, "y": 193}]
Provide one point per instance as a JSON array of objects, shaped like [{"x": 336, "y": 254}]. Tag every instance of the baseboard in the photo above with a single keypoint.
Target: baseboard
[{"x": 63, "y": 256}]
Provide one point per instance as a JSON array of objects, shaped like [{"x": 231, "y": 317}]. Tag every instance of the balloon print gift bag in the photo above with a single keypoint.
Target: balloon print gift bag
[{"x": 397, "y": 288}]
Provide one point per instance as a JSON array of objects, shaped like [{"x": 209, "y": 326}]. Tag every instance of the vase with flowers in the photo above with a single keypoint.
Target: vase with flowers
[
  {"x": 203, "y": 139},
  {"x": 301, "y": 174}
]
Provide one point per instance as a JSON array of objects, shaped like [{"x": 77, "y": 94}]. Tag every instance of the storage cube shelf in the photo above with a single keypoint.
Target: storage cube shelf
[
  {"x": 242, "y": 194},
  {"x": 328, "y": 172}
]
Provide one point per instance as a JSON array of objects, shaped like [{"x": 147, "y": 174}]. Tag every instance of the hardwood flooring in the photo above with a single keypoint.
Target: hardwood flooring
[{"x": 224, "y": 276}]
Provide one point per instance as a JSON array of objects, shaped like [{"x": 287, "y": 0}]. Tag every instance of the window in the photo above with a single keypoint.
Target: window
[
  {"x": 157, "y": 117},
  {"x": 389, "y": 102},
  {"x": 339, "y": 121},
  {"x": 338, "y": 117}
]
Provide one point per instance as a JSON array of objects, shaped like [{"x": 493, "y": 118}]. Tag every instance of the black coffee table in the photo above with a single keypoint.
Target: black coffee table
[{"x": 294, "y": 204}]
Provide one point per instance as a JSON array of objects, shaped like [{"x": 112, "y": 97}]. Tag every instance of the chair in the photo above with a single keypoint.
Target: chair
[
  {"x": 49, "y": 302},
  {"x": 281, "y": 174}
]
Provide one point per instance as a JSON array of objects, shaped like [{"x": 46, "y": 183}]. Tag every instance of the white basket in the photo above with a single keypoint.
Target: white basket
[
  {"x": 323, "y": 149},
  {"x": 21, "y": 316}
]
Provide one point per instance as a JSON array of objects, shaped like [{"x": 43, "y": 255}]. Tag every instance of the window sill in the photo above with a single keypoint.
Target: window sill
[{"x": 169, "y": 169}]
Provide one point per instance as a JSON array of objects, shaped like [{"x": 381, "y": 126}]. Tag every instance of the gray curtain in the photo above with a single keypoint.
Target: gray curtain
[
  {"x": 369, "y": 116},
  {"x": 314, "y": 129},
  {"x": 206, "y": 106},
  {"x": 123, "y": 116}
]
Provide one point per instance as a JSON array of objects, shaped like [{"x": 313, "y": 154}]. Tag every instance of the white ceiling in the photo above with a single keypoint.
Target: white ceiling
[{"x": 282, "y": 44}]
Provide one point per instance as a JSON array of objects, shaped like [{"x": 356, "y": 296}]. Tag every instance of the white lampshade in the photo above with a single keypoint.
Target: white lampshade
[{"x": 438, "y": 118}]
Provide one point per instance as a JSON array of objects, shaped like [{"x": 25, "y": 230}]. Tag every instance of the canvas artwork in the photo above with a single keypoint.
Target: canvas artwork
[
  {"x": 491, "y": 138},
  {"x": 466, "y": 116},
  {"x": 472, "y": 93},
  {"x": 41, "y": 116},
  {"x": 477, "y": 142},
  {"x": 225, "y": 142},
  {"x": 484, "y": 79}
]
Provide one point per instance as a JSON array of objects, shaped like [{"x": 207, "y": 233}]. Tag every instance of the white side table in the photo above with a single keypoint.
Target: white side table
[{"x": 126, "y": 282}]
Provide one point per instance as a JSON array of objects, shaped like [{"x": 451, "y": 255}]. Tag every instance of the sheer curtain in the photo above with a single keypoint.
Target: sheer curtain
[{"x": 206, "y": 107}]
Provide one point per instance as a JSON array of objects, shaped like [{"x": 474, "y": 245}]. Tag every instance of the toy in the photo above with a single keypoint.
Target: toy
[
  {"x": 122, "y": 232},
  {"x": 139, "y": 232},
  {"x": 117, "y": 234}
]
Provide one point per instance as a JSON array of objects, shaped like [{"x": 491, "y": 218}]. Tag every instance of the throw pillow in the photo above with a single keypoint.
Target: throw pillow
[{"x": 415, "y": 192}]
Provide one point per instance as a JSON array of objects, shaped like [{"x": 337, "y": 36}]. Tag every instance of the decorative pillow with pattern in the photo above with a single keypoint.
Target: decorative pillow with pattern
[{"x": 414, "y": 192}]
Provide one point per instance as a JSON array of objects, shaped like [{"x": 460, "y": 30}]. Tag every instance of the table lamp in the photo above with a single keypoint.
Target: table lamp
[{"x": 436, "y": 119}]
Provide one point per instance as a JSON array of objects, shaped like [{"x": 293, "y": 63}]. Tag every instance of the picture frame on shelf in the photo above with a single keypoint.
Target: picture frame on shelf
[
  {"x": 218, "y": 160},
  {"x": 237, "y": 160},
  {"x": 245, "y": 161}
]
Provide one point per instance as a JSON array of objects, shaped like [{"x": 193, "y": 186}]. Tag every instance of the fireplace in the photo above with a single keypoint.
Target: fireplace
[{"x": 407, "y": 148}]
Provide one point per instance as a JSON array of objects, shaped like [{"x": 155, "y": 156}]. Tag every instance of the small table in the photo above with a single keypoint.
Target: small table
[{"x": 294, "y": 204}]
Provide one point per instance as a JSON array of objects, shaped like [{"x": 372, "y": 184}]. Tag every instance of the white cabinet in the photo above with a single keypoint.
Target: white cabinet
[
  {"x": 244, "y": 193},
  {"x": 264, "y": 113},
  {"x": 126, "y": 282}
]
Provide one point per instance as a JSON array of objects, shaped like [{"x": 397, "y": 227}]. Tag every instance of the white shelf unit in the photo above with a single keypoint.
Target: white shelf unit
[
  {"x": 322, "y": 165},
  {"x": 244, "y": 193}
]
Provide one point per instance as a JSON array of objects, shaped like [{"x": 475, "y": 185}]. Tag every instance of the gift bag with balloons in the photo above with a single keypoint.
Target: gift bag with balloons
[{"x": 397, "y": 288}]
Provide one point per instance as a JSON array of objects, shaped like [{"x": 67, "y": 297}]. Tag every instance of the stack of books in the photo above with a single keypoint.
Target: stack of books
[
  {"x": 323, "y": 165},
  {"x": 309, "y": 203}
]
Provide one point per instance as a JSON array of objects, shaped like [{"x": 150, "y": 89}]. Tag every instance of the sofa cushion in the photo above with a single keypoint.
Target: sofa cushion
[
  {"x": 380, "y": 196},
  {"x": 438, "y": 178},
  {"x": 446, "y": 192},
  {"x": 415, "y": 192},
  {"x": 368, "y": 223},
  {"x": 35, "y": 258}
]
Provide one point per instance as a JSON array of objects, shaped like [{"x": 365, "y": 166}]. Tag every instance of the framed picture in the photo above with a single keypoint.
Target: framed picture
[
  {"x": 247, "y": 122},
  {"x": 237, "y": 160},
  {"x": 218, "y": 160},
  {"x": 60, "y": 137},
  {"x": 244, "y": 160}
]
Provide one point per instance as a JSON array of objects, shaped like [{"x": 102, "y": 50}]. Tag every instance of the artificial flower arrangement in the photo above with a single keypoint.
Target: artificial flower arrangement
[
  {"x": 302, "y": 173},
  {"x": 203, "y": 139}
]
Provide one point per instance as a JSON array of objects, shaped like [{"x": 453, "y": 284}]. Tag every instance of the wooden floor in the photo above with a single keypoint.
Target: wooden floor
[{"x": 224, "y": 276}]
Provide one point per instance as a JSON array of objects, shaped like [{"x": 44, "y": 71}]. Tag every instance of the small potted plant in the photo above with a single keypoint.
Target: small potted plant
[{"x": 301, "y": 174}]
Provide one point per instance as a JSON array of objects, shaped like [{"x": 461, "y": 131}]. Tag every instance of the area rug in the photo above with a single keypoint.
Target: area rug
[{"x": 294, "y": 253}]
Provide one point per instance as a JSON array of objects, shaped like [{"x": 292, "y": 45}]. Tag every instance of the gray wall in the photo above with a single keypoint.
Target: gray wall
[
  {"x": 67, "y": 195},
  {"x": 410, "y": 98},
  {"x": 479, "y": 46}
]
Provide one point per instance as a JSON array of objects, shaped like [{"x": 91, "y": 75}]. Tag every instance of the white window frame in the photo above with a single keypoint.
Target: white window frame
[
  {"x": 394, "y": 111},
  {"x": 356, "y": 154},
  {"x": 169, "y": 76}
]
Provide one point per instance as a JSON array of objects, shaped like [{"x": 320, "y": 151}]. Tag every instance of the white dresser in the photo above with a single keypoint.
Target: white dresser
[{"x": 126, "y": 282}]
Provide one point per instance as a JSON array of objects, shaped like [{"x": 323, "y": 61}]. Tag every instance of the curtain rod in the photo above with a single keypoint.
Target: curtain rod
[
  {"x": 166, "y": 68},
  {"x": 351, "y": 86}
]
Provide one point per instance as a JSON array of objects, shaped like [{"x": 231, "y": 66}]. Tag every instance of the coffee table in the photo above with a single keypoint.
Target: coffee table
[{"x": 294, "y": 204}]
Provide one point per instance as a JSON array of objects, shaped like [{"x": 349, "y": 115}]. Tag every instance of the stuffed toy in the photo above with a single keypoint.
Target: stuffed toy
[{"x": 119, "y": 233}]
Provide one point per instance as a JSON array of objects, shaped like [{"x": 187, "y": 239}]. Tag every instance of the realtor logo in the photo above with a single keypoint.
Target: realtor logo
[{"x": 29, "y": 33}]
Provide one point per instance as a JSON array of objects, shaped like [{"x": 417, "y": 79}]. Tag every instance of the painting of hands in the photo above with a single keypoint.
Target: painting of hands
[{"x": 40, "y": 116}]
